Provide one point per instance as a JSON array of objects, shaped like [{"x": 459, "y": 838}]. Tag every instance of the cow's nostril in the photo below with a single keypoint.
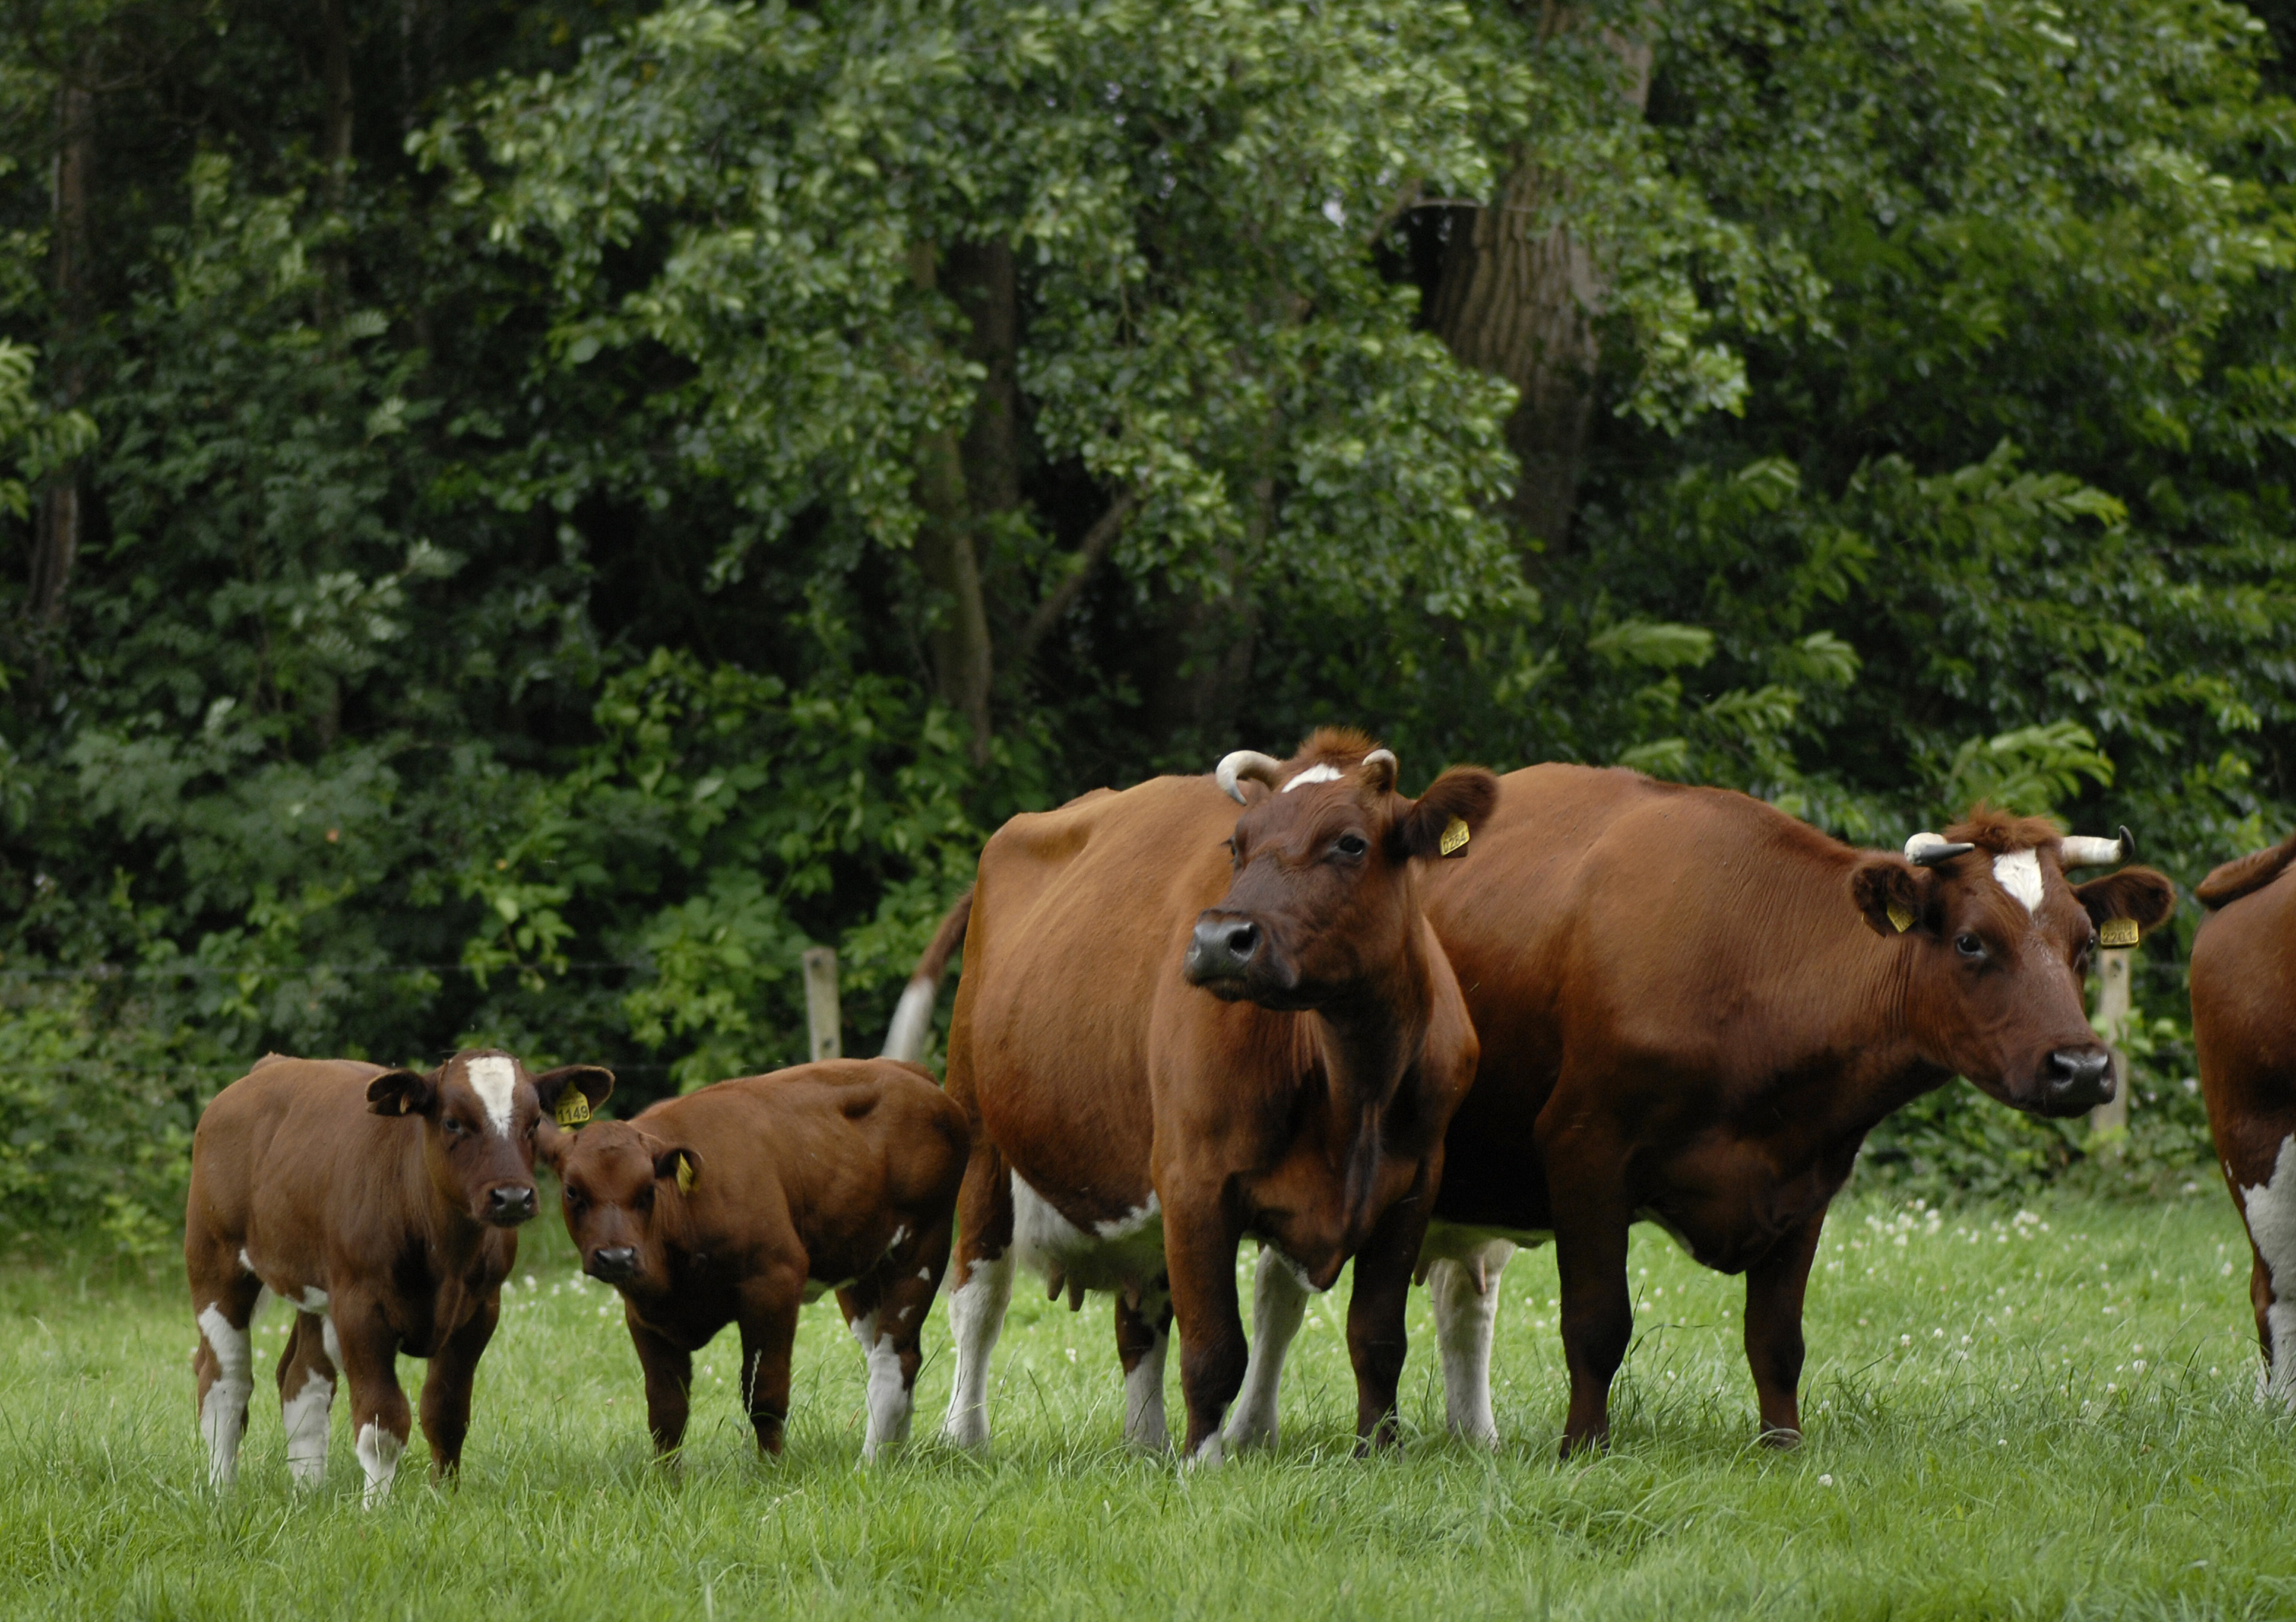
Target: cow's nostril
[
  {"x": 2076, "y": 1065},
  {"x": 1243, "y": 940},
  {"x": 510, "y": 1204},
  {"x": 616, "y": 1262}
]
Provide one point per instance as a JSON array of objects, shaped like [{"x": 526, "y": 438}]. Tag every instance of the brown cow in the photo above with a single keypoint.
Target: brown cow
[
  {"x": 740, "y": 1202},
  {"x": 384, "y": 1205},
  {"x": 1130, "y": 1131},
  {"x": 1694, "y": 1007},
  {"x": 2244, "y": 981}
]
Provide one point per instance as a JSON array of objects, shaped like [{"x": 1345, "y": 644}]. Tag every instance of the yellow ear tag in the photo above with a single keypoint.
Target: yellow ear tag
[
  {"x": 573, "y": 1107},
  {"x": 2117, "y": 932},
  {"x": 1454, "y": 839},
  {"x": 685, "y": 1178},
  {"x": 1902, "y": 919}
]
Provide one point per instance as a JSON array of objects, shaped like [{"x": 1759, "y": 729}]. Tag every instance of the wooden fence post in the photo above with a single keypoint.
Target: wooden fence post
[
  {"x": 2111, "y": 1024},
  {"x": 820, "y": 1016}
]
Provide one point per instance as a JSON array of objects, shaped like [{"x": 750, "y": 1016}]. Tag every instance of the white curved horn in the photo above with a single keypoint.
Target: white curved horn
[
  {"x": 1240, "y": 765},
  {"x": 2088, "y": 851},
  {"x": 1925, "y": 848},
  {"x": 1394, "y": 767}
]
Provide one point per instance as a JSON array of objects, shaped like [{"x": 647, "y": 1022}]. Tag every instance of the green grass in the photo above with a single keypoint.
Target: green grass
[{"x": 2007, "y": 1415}]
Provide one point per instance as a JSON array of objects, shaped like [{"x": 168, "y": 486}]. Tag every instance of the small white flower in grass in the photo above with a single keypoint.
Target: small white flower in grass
[
  {"x": 1825, "y": 1481},
  {"x": 2138, "y": 1365},
  {"x": 1937, "y": 1334},
  {"x": 1905, "y": 1341},
  {"x": 529, "y": 1280}
]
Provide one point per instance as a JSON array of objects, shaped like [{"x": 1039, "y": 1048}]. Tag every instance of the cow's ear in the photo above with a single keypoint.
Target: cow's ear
[
  {"x": 551, "y": 1142},
  {"x": 570, "y": 1094},
  {"x": 2138, "y": 899},
  {"x": 1439, "y": 822},
  {"x": 402, "y": 1092},
  {"x": 680, "y": 1163},
  {"x": 1891, "y": 893}
]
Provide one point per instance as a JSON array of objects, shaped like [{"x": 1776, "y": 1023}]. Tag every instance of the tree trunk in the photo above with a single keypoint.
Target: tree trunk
[
  {"x": 963, "y": 662},
  {"x": 55, "y": 536},
  {"x": 1521, "y": 303},
  {"x": 979, "y": 277},
  {"x": 335, "y": 71}
]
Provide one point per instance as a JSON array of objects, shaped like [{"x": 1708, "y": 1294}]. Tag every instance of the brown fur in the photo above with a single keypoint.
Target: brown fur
[
  {"x": 842, "y": 1173},
  {"x": 2245, "y": 875}
]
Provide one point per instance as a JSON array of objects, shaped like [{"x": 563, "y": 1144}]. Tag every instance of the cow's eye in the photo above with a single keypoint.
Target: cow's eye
[
  {"x": 1350, "y": 844},
  {"x": 645, "y": 1201},
  {"x": 1968, "y": 945},
  {"x": 453, "y": 1128},
  {"x": 575, "y": 1202}
]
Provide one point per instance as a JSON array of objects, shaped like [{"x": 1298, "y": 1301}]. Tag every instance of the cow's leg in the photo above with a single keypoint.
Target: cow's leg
[
  {"x": 225, "y": 1296},
  {"x": 1465, "y": 1294},
  {"x": 446, "y": 1389},
  {"x": 1279, "y": 1299},
  {"x": 1592, "y": 1217},
  {"x": 307, "y": 1396},
  {"x": 983, "y": 1267},
  {"x": 887, "y": 1313},
  {"x": 1379, "y": 1307},
  {"x": 2268, "y": 1205},
  {"x": 1200, "y": 1241},
  {"x": 380, "y": 1420},
  {"x": 1775, "y": 1288},
  {"x": 669, "y": 1372},
  {"x": 768, "y": 1321},
  {"x": 1143, "y": 1333}
]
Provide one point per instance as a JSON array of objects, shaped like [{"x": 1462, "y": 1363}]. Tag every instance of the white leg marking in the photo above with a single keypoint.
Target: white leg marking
[
  {"x": 2270, "y": 1209},
  {"x": 327, "y": 1340},
  {"x": 305, "y": 1417},
  {"x": 890, "y": 1399},
  {"x": 495, "y": 1079},
  {"x": 223, "y": 1411},
  {"x": 244, "y": 1264},
  {"x": 378, "y": 1455},
  {"x": 2019, "y": 873},
  {"x": 1143, "y": 1387},
  {"x": 312, "y": 1301},
  {"x": 1279, "y": 1299},
  {"x": 1465, "y": 1294},
  {"x": 976, "y": 1317}
]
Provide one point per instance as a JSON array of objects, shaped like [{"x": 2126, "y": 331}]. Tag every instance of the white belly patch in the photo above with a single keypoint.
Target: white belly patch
[{"x": 1125, "y": 1254}]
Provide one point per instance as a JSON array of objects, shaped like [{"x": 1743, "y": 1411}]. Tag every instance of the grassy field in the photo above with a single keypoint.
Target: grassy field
[{"x": 2010, "y": 1413}]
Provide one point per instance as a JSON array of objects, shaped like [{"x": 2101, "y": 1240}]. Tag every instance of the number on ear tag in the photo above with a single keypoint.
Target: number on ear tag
[
  {"x": 685, "y": 1176},
  {"x": 573, "y": 1107},
  {"x": 1455, "y": 837},
  {"x": 1899, "y": 917},
  {"x": 2118, "y": 931}
]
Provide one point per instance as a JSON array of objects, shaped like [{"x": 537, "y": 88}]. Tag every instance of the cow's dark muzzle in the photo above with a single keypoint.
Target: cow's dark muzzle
[
  {"x": 2076, "y": 1079},
  {"x": 615, "y": 1264},
  {"x": 1233, "y": 959},
  {"x": 509, "y": 1206}
]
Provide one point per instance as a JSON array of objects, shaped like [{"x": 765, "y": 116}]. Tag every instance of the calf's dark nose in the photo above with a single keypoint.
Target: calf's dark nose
[
  {"x": 614, "y": 1263},
  {"x": 1221, "y": 947},
  {"x": 509, "y": 1207},
  {"x": 2080, "y": 1078}
]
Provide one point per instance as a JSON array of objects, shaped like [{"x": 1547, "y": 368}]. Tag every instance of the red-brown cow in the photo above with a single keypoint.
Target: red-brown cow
[
  {"x": 383, "y": 1204},
  {"x": 1694, "y": 1007},
  {"x": 1130, "y": 1131},
  {"x": 2244, "y": 1030},
  {"x": 740, "y": 1202}
]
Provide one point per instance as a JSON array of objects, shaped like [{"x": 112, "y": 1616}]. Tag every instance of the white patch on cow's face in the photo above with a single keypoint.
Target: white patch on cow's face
[
  {"x": 223, "y": 1411},
  {"x": 305, "y": 1417},
  {"x": 495, "y": 1079},
  {"x": 1279, "y": 1298},
  {"x": 890, "y": 1401},
  {"x": 1314, "y": 774},
  {"x": 378, "y": 1455},
  {"x": 976, "y": 1317},
  {"x": 2019, "y": 873},
  {"x": 2270, "y": 1210}
]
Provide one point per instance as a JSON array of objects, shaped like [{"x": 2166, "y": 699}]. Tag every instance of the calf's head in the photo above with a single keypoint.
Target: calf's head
[
  {"x": 481, "y": 1115},
  {"x": 1998, "y": 942},
  {"x": 620, "y": 1185},
  {"x": 1322, "y": 903}
]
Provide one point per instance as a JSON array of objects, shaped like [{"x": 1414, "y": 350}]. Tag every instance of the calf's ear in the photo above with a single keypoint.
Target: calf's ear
[
  {"x": 402, "y": 1092},
  {"x": 570, "y": 1094},
  {"x": 1890, "y": 893},
  {"x": 1438, "y": 822},
  {"x": 2134, "y": 896},
  {"x": 680, "y": 1163}
]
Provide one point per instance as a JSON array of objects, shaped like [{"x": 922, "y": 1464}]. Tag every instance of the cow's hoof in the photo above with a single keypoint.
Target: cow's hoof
[
  {"x": 1783, "y": 1437},
  {"x": 1210, "y": 1453}
]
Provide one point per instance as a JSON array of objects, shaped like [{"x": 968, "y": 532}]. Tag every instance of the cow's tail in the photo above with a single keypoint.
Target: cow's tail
[
  {"x": 905, "y": 1039},
  {"x": 2252, "y": 872}
]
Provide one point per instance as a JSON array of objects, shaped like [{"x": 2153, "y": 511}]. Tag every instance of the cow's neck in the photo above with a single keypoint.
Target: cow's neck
[
  {"x": 1365, "y": 1044},
  {"x": 1879, "y": 1064}
]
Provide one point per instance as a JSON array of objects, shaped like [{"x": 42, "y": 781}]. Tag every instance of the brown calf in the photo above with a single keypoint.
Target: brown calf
[
  {"x": 2244, "y": 981},
  {"x": 382, "y": 1204},
  {"x": 1130, "y": 1131},
  {"x": 740, "y": 1202}
]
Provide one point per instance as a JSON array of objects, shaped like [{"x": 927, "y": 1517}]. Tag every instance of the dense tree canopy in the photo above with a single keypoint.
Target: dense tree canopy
[{"x": 521, "y": 518}]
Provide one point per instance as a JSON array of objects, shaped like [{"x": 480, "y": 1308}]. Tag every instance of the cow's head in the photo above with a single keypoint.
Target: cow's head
[
  {"x": 1997, "y": 942},
  {"x": 481, "y": 1115},
  {"x": 620, "y": 1182},
  {"x": 1323, "y": 901}
]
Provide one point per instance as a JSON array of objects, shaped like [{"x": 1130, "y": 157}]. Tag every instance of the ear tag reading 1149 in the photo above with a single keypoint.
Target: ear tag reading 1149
[
  {"x": 1455, "y": 837},
  {"x": 1899, "y": 917},
  {"x": 573, "y": 1107},
  {"x": 684, "y": 1174},
  {"x": 2117, "y": 932}
]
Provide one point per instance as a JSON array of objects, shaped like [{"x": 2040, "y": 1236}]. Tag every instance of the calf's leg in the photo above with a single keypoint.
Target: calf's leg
[
  {"x": 983, "y": 1288},
  {"x": 380, "y": 1420},
  {"x": 307, "y": 1396},
  {"x": 1144, "y": 1334},
  {"x": 1774, "y": 1289},
  {"x": 668, "y": 1384},
  {"x": 768, "y": 1323},
  {"x": 224, "y": 1299},
  {"x": 1279, "y": 1300},
  {"x": 446, "y": 1389},
  {"x": 887, "y": 1313},
  {"x": 1465, "y": 1297}
]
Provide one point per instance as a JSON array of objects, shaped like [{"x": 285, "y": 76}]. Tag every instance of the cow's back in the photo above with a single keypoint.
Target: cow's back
[{"x": 286, "y": 1151}]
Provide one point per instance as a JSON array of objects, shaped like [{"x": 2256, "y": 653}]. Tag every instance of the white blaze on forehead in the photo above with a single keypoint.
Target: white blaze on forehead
[
  {"x": 1314, "y": 774},
  {"x": 2270, "y": 1211},
  {"x": 2019, "y": 873},
  {"x": 495, "y": 1079}
]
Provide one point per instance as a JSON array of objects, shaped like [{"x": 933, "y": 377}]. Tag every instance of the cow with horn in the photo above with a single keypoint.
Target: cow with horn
[
  {"x": 1693, "y": 1009},
  {"x": 1200, "y": 1011}
]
